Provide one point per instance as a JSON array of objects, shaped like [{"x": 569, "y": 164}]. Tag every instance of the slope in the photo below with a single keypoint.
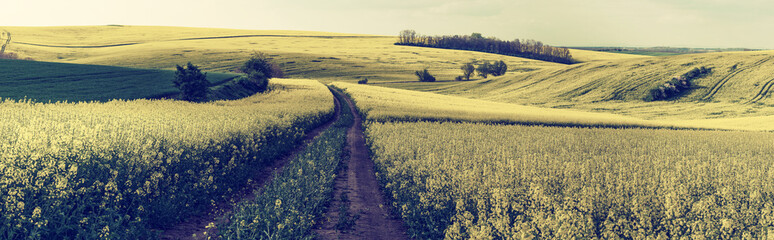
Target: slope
[
  {"x": 302, "y": 54},
  {"x": 739, "y": 86}
]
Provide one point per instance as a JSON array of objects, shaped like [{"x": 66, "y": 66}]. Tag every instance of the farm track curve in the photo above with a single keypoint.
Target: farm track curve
[
  {"x": 216, "y": 214},
  {"x": 358, "y": 181}
]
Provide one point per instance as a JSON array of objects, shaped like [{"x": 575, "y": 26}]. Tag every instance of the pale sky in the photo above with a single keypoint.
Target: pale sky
[{"x": 677, "y": 23}]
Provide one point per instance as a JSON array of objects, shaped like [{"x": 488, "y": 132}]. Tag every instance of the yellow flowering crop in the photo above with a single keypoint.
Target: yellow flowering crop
[
  {"x": 463, "y": 180},
  {"x": 84, "y": 168}
]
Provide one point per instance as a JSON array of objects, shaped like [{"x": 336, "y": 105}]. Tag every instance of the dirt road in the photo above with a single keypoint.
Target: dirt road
[{"x": 358, "y": 182}]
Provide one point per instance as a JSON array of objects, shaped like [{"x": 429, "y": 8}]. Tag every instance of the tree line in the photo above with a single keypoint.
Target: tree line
[{"x": 476, "y": 42}]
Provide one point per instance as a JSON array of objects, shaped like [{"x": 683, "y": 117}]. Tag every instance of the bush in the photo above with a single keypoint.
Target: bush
[
  {"x": 498, "y": 68},
  {"x": 260, "y": 81},
  {"x": 258, "y": 64},
  {"x": 192, "y": 83},
  {"x": 425, "y": 76},
  {"x": 259, "y": 70},
  {"x": 363, "y": 81}
]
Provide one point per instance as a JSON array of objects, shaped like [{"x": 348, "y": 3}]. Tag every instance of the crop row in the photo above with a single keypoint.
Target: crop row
[{"x": 116, "y": 169}]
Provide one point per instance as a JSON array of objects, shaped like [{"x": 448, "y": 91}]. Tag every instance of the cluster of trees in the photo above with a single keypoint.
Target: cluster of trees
[
  {"x": 362, "y": 81},
  {"x": 495, "y": 68},
  {"x": 476, "y": 42},
  {"x": 194, "y": 86},
  {"x": 484, "y": 69},
  {"x": 677, "y": 85}
]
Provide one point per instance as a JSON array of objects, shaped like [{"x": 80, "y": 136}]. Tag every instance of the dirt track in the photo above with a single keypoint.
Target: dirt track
[
  {"x": 197, "y": 224},
  {"x": 358, "y": 182}
]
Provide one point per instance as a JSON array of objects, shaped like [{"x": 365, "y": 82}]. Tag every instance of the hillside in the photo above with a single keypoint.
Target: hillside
[
  {"x": 46, "y": 81},
  {"x": 739, "y": 86},
  {"x": 302, "y": 54}
]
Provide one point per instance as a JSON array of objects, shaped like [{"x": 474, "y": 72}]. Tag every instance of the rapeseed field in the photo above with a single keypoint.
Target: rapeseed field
[{"x": 120, "y": 168}]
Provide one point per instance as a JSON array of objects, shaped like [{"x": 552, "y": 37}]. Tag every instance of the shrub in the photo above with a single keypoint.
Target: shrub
[
  {"x": 362, "y": 81},
  {"x": 192, "y": 83},
  {"x": 259, "y": 64},
  {"x": 467, "y": 70},
  {"x": 260, "y": 81},
  {"x": 498, "y": 68},
  {"x": 259, "y": 70},
  {"x": 425, "y": 76},
  {"x": 458, "y": 78}
]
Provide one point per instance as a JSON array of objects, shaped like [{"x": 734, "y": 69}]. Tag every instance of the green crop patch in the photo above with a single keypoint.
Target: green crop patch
[{"x": 47, "y": 81}]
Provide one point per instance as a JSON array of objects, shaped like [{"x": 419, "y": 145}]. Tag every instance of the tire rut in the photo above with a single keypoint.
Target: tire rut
[
  {"x": 723, "y": 81},
  {"x": 358, "y": 181},
  {"x": 763, "y": 92},
  {"x": 217, "y": 214}
]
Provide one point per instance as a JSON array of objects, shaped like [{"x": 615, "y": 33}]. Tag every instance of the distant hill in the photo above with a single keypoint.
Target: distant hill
[
  {"x": 661, "y": 51},
  {"x": 741, "y": 85},
  {"x": 301, "y": 54},
  {"x": 47, "y": 81}
]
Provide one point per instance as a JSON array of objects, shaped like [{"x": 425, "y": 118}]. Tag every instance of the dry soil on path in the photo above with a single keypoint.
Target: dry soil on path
[{"x": 358, "y": 181}]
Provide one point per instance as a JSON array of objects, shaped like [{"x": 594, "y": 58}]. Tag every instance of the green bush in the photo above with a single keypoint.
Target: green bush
[
  {"x": 425, "y": 76},
  {"x": 260, "y": 69},
  {"x": 192, "y": 83}
]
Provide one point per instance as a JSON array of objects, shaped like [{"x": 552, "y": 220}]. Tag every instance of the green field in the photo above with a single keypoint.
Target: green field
[{"x": 46, "y": 81}]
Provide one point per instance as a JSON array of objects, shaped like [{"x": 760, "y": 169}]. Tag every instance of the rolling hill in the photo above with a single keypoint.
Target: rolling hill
[
  {"x": 739, "y": 86},
  {"x": 302, "y": 54}
]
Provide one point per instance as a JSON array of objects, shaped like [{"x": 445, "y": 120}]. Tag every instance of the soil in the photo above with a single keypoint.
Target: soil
[
  {"x": 358, "y": 181},
  {"x": 196, "y": 226}
]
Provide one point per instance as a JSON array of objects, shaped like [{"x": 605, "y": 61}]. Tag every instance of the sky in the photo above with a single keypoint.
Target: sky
[{"x": 635, "y": 23}]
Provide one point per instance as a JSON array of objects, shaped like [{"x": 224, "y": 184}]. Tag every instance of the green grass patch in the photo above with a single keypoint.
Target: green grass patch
[{"x": 47, "y": 81}]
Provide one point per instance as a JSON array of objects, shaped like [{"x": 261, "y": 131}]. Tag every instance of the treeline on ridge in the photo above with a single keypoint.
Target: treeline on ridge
[{"x": 476, "y": 42}]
